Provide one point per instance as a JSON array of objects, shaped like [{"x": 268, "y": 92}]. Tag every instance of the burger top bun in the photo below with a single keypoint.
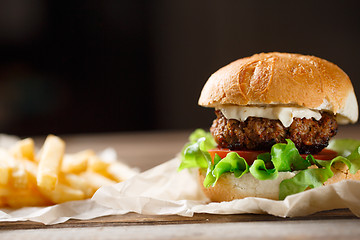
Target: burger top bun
[{"x": 283, "y": 79}]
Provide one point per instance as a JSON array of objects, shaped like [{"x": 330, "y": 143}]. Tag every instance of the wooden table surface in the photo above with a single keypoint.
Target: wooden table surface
[{"x": 148, "y": 149}]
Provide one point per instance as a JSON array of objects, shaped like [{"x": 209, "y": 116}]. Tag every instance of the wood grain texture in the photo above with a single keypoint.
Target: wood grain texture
[
  {"x": 138, "y": 219},
  {"x": 302, "y": 229}
]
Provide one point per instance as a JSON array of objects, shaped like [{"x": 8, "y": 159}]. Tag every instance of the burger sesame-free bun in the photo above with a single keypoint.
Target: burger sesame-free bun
[
  {"x": 282, "y": 79},
  {"x": 228, "y": 187}
]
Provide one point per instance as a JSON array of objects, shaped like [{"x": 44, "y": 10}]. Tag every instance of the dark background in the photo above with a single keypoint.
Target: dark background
[{"x": 133, "y": 65}]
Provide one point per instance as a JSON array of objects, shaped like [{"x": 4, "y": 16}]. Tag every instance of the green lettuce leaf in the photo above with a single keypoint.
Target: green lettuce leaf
[
  {"x": 195, "y": 153},
  {"x": 282, "y": 157},
  {"x": 315, "y": 177},
  {"x": 344, "y": 147},
  {"x": 231, "y": 163},
  {"x": 258, "y": 170},
  {"x": 354, "y": 158},
  {"x": 311, "y": 177},
  {"x": 286, "y": 157},
  {"x": 210, "y": 179}
]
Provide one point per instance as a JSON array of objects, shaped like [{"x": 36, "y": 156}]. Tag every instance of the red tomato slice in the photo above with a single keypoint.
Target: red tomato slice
[
  {"x": 325, "y": 154},
  {"x": 250, "y": 156}
]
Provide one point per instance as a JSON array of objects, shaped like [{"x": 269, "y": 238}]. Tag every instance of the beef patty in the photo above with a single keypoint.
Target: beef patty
[{"x": 309, "y": 135}]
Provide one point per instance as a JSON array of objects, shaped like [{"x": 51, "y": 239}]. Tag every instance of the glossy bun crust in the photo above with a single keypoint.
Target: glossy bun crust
[{"x": 282, "y": 79}]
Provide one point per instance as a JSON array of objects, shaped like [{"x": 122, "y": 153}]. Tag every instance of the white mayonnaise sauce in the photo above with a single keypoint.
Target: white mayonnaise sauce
[{"x": 284, "y": 114}]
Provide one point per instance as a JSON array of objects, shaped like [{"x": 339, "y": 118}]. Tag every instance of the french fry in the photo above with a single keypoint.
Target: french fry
[
  {"x": 62, "y": 193},
  {"x": 50, "y": 177},
  {"x": 120, "y": 172},
  {"x": 116, "y": 171},
  {"x": 5, "y": 168},
  {"x": 77, "y": 182},
  {"x": 24, "y": 149},
  {"x": 17, "y": 174},
  {"x": 96, "y": 164},
  {"x": 29, "y": 196},
  {"x": 96, "y": 180},
  {"x": 4, "y": 191},
  {"x": 31, "y": 170},
  {"x": 50, "y": 162},
  {"x": 25, "y": 197},
  {"x": 16, "y": 198},
  {"x": 77, "y": 162},
  {"x": 2, "y": 202}
]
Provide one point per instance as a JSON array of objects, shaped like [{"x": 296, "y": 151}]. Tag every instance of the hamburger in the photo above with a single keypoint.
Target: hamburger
[{"x": 275, "y": 116}]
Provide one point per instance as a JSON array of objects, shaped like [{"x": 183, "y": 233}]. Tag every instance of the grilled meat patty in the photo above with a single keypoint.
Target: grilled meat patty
[{"x": 309, "y": 135}]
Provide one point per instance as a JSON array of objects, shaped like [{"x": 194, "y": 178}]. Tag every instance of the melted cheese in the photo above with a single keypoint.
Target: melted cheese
[{"x": 284, "y": 114}]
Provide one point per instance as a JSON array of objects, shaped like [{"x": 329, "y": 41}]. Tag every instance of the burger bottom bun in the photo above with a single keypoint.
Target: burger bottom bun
[
  {"x": 341, "y": 172},
  {"x": 228, "y": 187}
]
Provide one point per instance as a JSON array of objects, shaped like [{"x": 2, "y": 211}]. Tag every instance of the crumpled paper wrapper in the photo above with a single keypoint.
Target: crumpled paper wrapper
[{"x": 163, "y": 190}]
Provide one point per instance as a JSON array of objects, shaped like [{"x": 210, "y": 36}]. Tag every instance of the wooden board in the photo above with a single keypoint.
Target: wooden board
[{"x": 138, "y": 219}]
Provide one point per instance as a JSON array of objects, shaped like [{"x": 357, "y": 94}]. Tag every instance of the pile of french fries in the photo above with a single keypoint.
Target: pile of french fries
[{"x": 49, "y": 176}]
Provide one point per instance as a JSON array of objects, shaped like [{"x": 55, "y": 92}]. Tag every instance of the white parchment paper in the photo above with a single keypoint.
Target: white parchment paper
[{"x": 163, "y": 191}]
